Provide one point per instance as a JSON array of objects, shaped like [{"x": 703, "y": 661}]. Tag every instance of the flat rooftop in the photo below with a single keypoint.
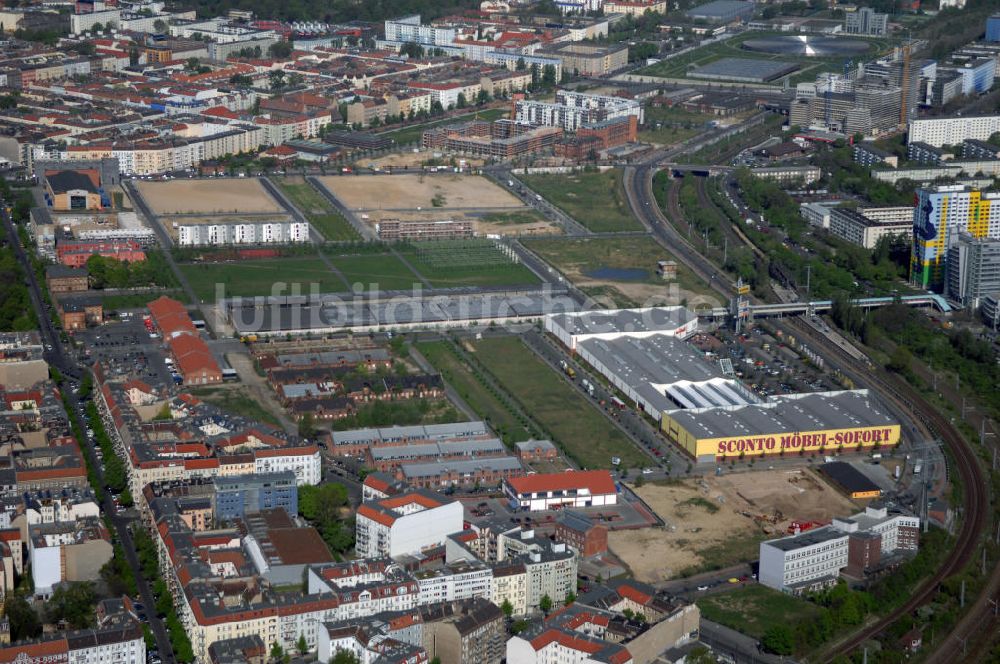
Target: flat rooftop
[
  {"x": 744, "y": 69},
  {"x": 787, "y": 413},
  {"x": 624, "y": 321},
  {"x": 807, "y": 539}
]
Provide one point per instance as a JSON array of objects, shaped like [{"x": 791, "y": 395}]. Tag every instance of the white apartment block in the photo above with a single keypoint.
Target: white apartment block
[
  {"x": 247, "y": 232},
  {"x": 857, "y": 228},
  {"x": 952, "y": 131},
  {"x": 571, "y": 110},
  {"x": 814, "y": 557},
  {"x": 455, "y": 582},
  {"x": 405, "y": 524},
  {"x": 408, "y": 29},
  {"x": 108, "y": 18},
  {"x": 306, "y": 464}
]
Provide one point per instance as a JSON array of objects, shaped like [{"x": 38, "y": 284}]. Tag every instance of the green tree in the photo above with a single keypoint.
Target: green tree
[
  {"x": 276, "y": 78},
  {"x": 545, "y": 604},
  {"x": 778, "y": 639},
  {"x": 277, "y": 653},
  {"x": 344, "y": 657},
  {"x": 281, "y": 49},
  {"x": 412, "y": 50},
  {"x": 307, "y": 426},
  {"x": 900, "y": 360},
  {"x": 73, "y": 603},
  {"x": 507, "y": 608},
  {"x": 301, "y": 645},
  {"x": 570, "y": 598},
  {"x": 24, "y": 623}
]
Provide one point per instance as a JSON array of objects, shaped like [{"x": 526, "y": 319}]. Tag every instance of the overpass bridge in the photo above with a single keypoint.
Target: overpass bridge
[
  {"x": 706, "y": 170},
  {"x": 815, "y": 306}
]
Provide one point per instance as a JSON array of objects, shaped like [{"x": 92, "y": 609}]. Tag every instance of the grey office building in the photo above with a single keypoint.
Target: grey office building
[{"x": 973, "y": 269}]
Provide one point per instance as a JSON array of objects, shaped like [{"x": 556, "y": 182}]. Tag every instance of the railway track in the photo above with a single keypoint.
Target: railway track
[
  {"x": 977, "y": 502},
  {"x": 638, "y": 188}
]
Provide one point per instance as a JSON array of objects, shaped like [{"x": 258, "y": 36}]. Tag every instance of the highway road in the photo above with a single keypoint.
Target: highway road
[{"x": 56, "y": 356}]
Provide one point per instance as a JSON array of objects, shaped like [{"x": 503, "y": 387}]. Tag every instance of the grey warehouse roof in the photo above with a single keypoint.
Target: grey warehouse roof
[
  {"x": 787, "y": 413},
  {"x": 651, "y": 319}
]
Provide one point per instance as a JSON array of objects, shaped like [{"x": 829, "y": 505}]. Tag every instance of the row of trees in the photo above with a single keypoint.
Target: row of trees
[{"x": 113, "y": 273}]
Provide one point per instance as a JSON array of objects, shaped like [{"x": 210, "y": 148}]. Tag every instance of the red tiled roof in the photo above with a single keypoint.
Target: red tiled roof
[
  {"x": 378, "y": 517},
  {"x": 597, "y": 481}
]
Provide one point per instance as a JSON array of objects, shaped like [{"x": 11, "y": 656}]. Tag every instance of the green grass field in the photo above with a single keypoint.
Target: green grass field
[
  {"x": 384, "y": 270},
  {"x": 583, "y": 432},
  {"x": 513, "y": 218},
  {"x": 134, "y": 300},
  {"x": 413, "y": 133},
  {"x": 235, "y": 402},
  {"x": 474, "y": 262},
  {"x": 596, "y": 200},
  {"x": 667, "y": 126},
  {"x": 754, "y": 608},
  {"x": 257, "y": 277},
  {"x": 320, "y": 213},
  {"x": 487, "y": 406},
  {"x": 577, "y": 257}
]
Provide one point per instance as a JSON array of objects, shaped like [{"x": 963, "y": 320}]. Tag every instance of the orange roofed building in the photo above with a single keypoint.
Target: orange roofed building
[
  {"x": 575, "y": 489},
  {"x": 406, "y": 523}
]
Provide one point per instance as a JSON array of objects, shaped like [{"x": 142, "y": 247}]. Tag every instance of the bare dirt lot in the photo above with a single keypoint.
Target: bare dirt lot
[
  {"x": 716, "y": 522},
  {"x": 408, "y": 192},
  {"x": 411, "y": 159},
  {"x": 208, "y": 197},
  {"x": 519, "y": 222}
]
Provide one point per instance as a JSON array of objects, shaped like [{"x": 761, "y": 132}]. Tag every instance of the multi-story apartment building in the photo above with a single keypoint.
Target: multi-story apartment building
[
  {"x": 573, "y": 110},
  {"x": 408, "y": 29},
  {"x": 866, "y": 21},
  {"x": 952, "y": 131},
  {"x": 235, "y": 497},
  {"x": 405, "y": 523},
  {"x": 191, "y": 234},
  {"x": 941, "y": 214},
  {"x": 973, "y": 269},
  {"x": 467, "y": 632},
  {"x": 857, "y": 228}
]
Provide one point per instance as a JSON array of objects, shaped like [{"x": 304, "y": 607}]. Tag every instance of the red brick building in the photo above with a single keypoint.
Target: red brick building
[
  {"x": 579, "y": 532},
  {"x": 75, "y": 253}
]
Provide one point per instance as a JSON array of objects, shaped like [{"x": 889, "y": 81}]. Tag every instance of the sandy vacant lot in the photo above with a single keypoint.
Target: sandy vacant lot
[
  {"x": 745, "y": 512},
  {"x": 214, "y": 196},
  {"x": 408, "y": 192}
]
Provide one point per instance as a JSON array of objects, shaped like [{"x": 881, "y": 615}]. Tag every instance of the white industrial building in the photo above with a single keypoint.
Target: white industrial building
[
  {"x": 241, "y": 232},
  {"x": 407, "y": 523},
  {"x": 572, "y": 328},
  {"x": 854, "y": 545}
]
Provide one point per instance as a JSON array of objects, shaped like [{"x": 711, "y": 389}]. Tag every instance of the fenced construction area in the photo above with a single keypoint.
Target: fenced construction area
[{"x": 208, "y": 197}]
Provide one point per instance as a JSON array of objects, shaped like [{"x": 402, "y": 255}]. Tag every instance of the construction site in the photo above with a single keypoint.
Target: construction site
[{"x": 714, "y": 522}]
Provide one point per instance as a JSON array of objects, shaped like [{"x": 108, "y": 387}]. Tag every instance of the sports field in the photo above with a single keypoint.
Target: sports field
[
  {"x": 596, "y": 200},
  {"x": 376, "y": 271},
  {"x": 568, "y": 418},
  {"x": 473, "y": 262},
  {"x": 317, "y": 210},
  {"x": 261, "y": 277},
  {"x": 409, "y": 192},
  {"x": 208, "y": 196}
]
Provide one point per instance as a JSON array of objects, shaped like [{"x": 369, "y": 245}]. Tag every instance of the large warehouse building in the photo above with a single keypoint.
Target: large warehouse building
[
  {"x": 571, "y": 328},
  {"x": 706, "y": 412},
  {"x": 661, "y": 372},
  {"x": 785, "y": 424}
]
